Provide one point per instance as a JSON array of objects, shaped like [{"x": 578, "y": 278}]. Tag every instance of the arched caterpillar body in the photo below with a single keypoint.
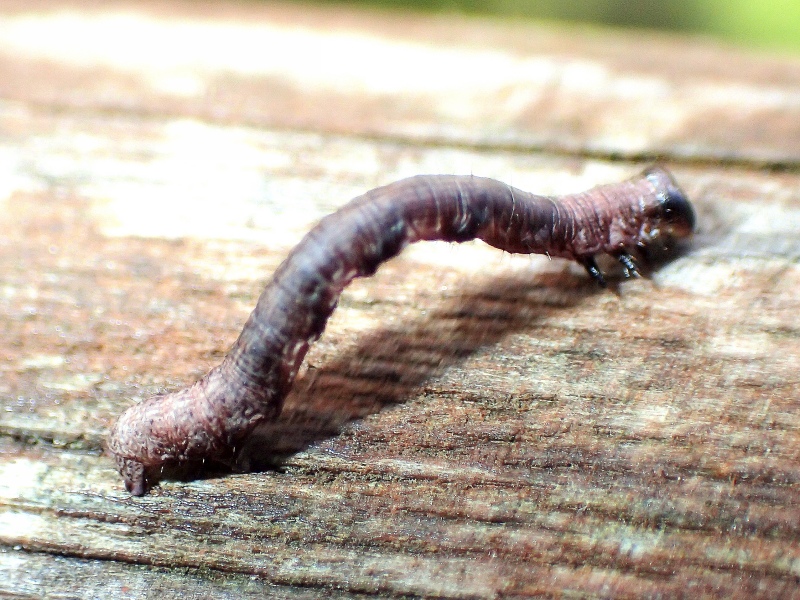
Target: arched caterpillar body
[{"x": 213, "y": 416}]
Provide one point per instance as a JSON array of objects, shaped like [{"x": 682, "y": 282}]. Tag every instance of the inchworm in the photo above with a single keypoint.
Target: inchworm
[{"x": 210, "y": 418}]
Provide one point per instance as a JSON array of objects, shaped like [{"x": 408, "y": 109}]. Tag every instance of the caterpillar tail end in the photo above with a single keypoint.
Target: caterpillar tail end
[{"x": 133, "y": 474}]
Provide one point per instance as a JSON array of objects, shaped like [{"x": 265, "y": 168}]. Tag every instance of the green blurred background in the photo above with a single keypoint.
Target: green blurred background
[{"x": 770, "y": 24}]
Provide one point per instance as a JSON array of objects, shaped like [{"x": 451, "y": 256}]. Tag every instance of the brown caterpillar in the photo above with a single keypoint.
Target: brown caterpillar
[{"x": 210, "y": 418}]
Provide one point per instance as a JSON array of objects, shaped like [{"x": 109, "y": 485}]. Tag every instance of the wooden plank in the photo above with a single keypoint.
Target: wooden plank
[
  {"x": 426, "y": 80},
  {"x": 37, "y": 575},
  {"x": 470, "y": 425}
]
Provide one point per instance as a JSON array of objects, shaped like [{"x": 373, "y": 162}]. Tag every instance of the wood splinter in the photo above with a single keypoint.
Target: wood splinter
[{"x": 209, "y": 419}]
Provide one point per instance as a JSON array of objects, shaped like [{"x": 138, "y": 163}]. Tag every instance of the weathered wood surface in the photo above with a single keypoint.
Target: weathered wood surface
[{"x": 471, "y": 425}]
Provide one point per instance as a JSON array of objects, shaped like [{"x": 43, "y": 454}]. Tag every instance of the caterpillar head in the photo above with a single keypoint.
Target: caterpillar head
[{"x": 672, "y": 215}]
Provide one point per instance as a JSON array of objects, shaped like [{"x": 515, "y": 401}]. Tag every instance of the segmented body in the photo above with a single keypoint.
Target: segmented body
[{"x": 209, "y": 418}]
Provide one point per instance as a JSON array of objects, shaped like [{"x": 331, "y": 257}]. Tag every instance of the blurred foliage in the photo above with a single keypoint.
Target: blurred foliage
[{"x": 763, "y": 23}]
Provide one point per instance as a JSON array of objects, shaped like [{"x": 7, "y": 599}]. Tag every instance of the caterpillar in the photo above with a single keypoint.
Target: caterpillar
[{"x": 209, "y": 418}]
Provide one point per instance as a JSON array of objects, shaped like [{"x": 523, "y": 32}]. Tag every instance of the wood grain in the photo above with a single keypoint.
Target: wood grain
[{"x": 471, "y": 425}]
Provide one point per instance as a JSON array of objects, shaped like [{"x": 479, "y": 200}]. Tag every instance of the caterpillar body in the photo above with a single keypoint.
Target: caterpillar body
[{"x": 211, "y": 417}]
